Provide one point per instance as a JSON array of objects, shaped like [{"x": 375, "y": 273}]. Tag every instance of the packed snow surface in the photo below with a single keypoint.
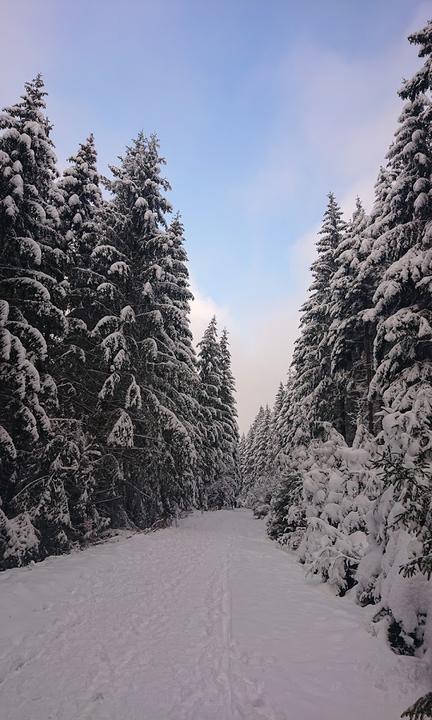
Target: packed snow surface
[{"x": 206, "y": 621}]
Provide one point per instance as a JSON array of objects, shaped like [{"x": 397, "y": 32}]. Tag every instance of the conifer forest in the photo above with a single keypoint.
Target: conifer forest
[{"x": 115, "y": 422}]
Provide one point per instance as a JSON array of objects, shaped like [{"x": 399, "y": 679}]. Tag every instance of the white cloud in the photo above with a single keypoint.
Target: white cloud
[
  {"x": 203, "y": 307},
  {"x": 261, "y": 354}
]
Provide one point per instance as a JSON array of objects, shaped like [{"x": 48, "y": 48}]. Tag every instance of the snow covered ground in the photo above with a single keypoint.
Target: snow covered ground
[{"x": 207, "y": 621}]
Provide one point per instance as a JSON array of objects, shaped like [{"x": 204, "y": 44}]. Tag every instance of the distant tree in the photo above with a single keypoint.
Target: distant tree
[
  {"x": 230, "y": 431},
  {"x": 209, "y": 365}
]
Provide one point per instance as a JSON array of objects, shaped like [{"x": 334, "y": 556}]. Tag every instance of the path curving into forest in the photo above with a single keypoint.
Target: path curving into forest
[{"x": 206, "y": 621}]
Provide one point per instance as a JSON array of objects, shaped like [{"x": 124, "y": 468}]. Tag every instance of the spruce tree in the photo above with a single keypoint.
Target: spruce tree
[
  {"x": 402, "y": 300},
  {"x": 255, "y": 440},
  {"x": 209, "y": 365},
  {"x": 276, "y": 440},
  {"x": 182, "y": 380},
  {"x": 315, "y": 392},
  {"x": 230, "y": 432},
  {"x": 247, "y": 462},
  {"x": 75, "y": 366},
  {"x": 403, "y": 378},
  {"x": 145, "y": 341},
  {"x": 421, "y": 81},
  {"x": 32, "y": 291},
  {"x": 351, "y": 360}
]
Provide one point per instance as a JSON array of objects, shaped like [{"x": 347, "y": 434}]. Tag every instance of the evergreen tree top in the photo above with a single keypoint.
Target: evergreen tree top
[
  {"x": 32, "y": 106},
  {"x": 138, "y": 185},
  {"x": 332, "y": 227},
  {"x": 86, "y": 154},
  {"x": 28, "y": 166},
  {"x": 210, "y": 333},
  {"x": 382, "y": 188},
  {"x": 81, "y": 176},
  {"x": 228, "y": 382},
  {"x": 422, "y": 80},
  {"x": 330, "y": 236},
  {"x": 279, "y": 399},
  {"x": 209, "y": 355}
]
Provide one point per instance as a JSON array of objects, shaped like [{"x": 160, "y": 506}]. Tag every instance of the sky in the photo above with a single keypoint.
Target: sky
[{"x": 261, "y": 107}]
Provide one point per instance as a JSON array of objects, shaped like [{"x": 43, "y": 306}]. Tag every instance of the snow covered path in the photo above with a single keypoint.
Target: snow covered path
[{"x": 207, "y": 621}]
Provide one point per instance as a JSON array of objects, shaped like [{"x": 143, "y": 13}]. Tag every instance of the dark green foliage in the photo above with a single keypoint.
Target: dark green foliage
[
  {"x": 421, "y": 709},
  {"x": 286, "y": 497},
  {"x": 219, "y": 451}
]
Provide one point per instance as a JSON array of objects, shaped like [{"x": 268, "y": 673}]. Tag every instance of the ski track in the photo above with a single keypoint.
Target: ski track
[{"x": 206, "y": 621}]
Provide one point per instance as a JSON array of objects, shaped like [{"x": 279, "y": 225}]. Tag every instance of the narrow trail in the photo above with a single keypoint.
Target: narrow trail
[{"x": 207, "y": 621}]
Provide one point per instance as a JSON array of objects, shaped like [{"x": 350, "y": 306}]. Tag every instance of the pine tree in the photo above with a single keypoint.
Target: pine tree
[
  {"x": 402, "y": 300},
  {"x": 421, "y": 81},
  {"x": 230, "y": 432},
  {"x": 182, "y": 380},
  {"x": 33, "y": 322},
  {"x": 285, "y": 419},
  {"x": 145, "y": 341},
  {"x": 209, "y": 364},
  {"x": 75, "y": 366},
  {"x": 246, "y": 458},
  {"x": 286, "y": 520},
  {"x": 351, "y": 360},
  {"x": 254, "y": 440},
  {"x": 276, "y": 439},
  {"x": 314, "y": 391},
  {"x": 403, "y": 378}
]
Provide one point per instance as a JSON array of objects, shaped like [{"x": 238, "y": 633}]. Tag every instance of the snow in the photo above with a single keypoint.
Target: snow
[
  {"x": 122, "y": 433},
  {"x": 206, "y": 621},
  {"x": 31, "y": 249},
  {"x": 73, "y": 200}
]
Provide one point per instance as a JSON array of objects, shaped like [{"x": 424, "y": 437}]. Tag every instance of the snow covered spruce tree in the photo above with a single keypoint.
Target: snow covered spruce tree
[
  {"x": 167, "y": 292},
  {"x": 314, "y": 397},
  {"x": 213, "y": 490},
  {"x": 219, "y": 459},
  {"x": 400, "y": 531},
  {"x": 419, "y": 498},
  {"x": 351, "y": 358},
  {"x": 315, "y": 393},
  {"x": 75, "y": 366},
  {"x": 379, "y": 488},
  {"x": 276, "y": 428},
  {"x": 262, "y": 461},
  {"x": 230, "y": 431},
  {"x": 322, "y": 497},
  {"x": 147, "y": 399},
  {"x": 32, "y": 292},
  {"x": 247, "y": 456},
  {"x": 286, "y": 516},
  {"x": 259, "y": 482}
]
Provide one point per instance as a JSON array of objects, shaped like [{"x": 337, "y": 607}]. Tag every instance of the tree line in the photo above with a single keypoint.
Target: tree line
[
  {"x": 108, "y": 416},
  {"x": 342, "y": 464}
]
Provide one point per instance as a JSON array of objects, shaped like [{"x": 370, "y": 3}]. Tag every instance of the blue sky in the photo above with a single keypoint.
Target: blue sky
[{"x": 261, "y": 109}]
